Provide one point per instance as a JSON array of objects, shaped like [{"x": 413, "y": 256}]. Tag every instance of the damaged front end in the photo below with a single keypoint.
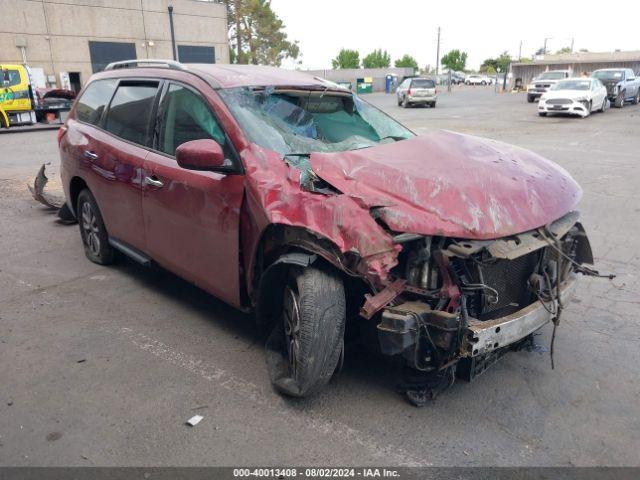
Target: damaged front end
[{"x": 458, "y": 305}]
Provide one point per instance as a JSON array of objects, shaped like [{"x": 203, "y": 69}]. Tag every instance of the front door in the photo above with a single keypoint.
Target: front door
[{"x": 191, "y": 218}]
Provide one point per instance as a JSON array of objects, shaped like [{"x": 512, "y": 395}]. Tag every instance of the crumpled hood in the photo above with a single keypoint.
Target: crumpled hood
[{"x": 450, "y": 184}]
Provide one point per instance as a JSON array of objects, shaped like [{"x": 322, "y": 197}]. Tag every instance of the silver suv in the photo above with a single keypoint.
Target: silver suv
[{"x": 413, "y": 91}]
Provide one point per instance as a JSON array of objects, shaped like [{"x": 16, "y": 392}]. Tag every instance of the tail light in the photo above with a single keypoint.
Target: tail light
[
  {"x": 409, "y": 92},
  {"x": 436, "y": 89},
  {"x": 61, "y": 131}
]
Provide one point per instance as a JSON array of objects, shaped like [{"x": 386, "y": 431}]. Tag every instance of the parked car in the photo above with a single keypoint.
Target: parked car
[
  {"x": 621, "y": 83},
  {"x": 476, "y": 80},
  {"x": 574, "y": 96},
  {"x": 293, "y": 198},
  {"x": 417, "y": 91},
  {"x": 543, "y": 82}
]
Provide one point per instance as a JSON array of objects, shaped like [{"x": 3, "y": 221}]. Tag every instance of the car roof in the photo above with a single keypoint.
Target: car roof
[
  {"x": 222, "y": 76},
  {"x": 229, "y": 76}
]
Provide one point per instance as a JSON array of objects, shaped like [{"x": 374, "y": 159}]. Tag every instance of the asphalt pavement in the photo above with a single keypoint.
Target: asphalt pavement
[{"x": 104, "y": 365}]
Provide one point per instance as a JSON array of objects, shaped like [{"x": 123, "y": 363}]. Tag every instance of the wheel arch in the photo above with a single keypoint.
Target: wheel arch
[
  {"x": 76, "y": 185},
  {"x": 282, "y": 247}
]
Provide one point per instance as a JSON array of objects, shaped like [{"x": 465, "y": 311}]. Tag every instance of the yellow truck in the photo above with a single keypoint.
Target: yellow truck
[{"x": 16, "y": 96}]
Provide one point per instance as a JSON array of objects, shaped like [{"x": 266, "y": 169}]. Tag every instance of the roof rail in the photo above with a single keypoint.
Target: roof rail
[{"x": 148, "y": 62}]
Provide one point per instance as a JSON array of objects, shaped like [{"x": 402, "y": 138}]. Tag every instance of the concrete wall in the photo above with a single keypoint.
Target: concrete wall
[
  {"x": 351, "y": 74},
  {"x": 57, "y": 32}
]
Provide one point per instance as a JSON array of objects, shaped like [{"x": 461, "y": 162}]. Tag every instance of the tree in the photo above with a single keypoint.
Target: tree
[
  {"x": 257, "y": 34},
  {"x": 564, "y": 50},
  {"x": 455, "y": 60},
  {"x": 407, "y": 61},
  {"x": 541, "y": 51},
  {"x": 377, "y": 59},
  {"x": 502, "y": 63},
  {"x": 346, "y": 59}
]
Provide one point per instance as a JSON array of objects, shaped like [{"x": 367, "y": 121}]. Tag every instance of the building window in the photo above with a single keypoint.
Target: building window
[
  {"x": 103, "y": 53},
  {"x": 196, "y": 54}
]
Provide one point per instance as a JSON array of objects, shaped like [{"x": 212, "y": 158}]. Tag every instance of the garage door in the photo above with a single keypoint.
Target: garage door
[
  {"x": 103, "y": 53},
  {"x": 196, "y": 54}
]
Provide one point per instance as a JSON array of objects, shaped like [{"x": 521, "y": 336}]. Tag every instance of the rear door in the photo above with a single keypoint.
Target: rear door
[
  {"x": 191, "y": 218},
  {"x": 423, "y": 87},
  {"x": 113, "y": 157}
]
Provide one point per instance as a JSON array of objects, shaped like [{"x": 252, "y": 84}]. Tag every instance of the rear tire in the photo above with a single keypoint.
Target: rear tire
[
  {"x": 636, "y": 99},
  {"x": 542, "y": 114},
  {"x": 405, "y": 103},
  {"x": 605, "y": 105},
  {"x": 433, "y": 104},
  {"x": 305, "y": 346},
  {"x": 530, "y": 98},
  {"x": 92, "y": 230}
]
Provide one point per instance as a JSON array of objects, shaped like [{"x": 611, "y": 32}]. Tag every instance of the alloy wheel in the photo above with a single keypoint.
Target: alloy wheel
[
  {"x": 90, "y": 228},
  {"x": 291, "y": 314}
]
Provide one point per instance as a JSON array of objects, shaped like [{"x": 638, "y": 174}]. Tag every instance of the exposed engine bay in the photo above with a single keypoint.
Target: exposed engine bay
[{"x": 456, "y": 306}]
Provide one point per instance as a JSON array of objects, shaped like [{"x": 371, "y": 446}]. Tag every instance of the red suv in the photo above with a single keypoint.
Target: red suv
[{"x": 290, "y": 196}]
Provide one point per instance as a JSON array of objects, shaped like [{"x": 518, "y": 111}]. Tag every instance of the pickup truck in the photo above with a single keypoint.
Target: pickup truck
[
  {"x": 622, "y": 85},
  {"x": 543, "y": 82}
]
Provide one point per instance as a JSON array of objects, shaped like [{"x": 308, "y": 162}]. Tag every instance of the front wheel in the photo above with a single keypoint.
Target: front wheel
[
  {"x": 636, "y": 99},
  {"x": 307, "y": 341},
  {"x": 619, "y": 102},
  {"x": 605, "y": 105},
  {"x": 530, "y": 98},
  {"x": 433, "y": 104},
  {"x": 542, "y": 114},
  {"x": 92, "y": 230}
]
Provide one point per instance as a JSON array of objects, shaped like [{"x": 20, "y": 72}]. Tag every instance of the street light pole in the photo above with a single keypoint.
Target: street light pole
[{"x": 438, "y": 54}]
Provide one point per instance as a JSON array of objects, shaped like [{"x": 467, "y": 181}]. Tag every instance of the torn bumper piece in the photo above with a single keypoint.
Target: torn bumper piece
[{"x": 403, "y": 327}]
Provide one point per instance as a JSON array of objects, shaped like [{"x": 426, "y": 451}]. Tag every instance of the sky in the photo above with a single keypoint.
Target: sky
[{"x": 483, "y": 29}]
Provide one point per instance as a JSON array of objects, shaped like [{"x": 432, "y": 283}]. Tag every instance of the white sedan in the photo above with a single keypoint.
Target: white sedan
[{"x": 574, "y": 96}]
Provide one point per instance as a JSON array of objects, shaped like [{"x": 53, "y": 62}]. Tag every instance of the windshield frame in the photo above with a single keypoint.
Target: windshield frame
[{"x": 227, "y": 96}]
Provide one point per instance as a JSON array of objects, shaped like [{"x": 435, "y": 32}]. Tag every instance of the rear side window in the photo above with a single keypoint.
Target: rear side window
[
  {"x": 423, "y": 83},
  {"x": 13, "y": 77},
  {"x": 130, "y": 111},
  {"x": 94, "y": 100}
]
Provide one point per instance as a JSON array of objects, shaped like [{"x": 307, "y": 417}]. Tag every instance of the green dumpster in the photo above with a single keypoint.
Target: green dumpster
[{"x": 364, "y": 85}]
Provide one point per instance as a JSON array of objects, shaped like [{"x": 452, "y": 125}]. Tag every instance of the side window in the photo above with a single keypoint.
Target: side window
[
  {"x": 405, "y": 84},
  {"x": 14, "y": 78},
  {"x": 94, "y": 100},
  {"x": 186, "y": 117},
  {"x": 130, "y": 111}
]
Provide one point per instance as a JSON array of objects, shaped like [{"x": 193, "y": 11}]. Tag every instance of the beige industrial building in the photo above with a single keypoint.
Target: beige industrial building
[
  {"x": 578, "y": 63},
  {"x": 65, "y": 41}
]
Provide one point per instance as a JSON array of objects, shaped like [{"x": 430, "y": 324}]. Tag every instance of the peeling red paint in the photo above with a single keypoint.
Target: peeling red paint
[{"x": 446, "y": 183}]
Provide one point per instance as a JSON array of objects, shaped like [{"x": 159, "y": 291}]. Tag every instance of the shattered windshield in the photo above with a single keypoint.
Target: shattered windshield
[{"x": 303, "y": 121}]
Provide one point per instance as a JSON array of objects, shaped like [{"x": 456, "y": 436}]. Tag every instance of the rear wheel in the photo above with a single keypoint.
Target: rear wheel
[
  {"x": 636, "y": 99},
  {"x": 405, "y": 102},
  {"x": 92, "y": 230},
  {"x": 433, "y": 104},
  {"x": 530, "y": 98},
  {"x": 307, "y": 341},
  {"x": 605, "y": 105},
  {"x": 542, "y": 114}
]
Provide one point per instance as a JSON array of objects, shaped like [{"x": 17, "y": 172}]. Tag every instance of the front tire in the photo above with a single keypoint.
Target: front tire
[
  {"x": 305, "y": 346},
  {"x": 619, "y": 102},
  {"x": 92, "y": 230},
  {"x": 542, "y": 114},
  {"x": 530, "y": 98}
]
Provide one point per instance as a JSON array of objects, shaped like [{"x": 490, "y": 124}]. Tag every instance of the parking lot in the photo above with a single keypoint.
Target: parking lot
[{"x": 103, "y": 366}]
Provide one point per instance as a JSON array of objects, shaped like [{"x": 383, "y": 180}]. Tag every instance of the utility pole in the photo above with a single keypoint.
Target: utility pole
[
  {"x": 438, "y": 54},
  {"x": 572, "y": 45},
  {"x": 545, "y": 45},
  {"x": 520, "y": 51}
]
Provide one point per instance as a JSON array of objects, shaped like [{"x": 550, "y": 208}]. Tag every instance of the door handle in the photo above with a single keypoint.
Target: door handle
[
  {"x": 90, "y": 155},
  {"x": 154, "y": 182}
]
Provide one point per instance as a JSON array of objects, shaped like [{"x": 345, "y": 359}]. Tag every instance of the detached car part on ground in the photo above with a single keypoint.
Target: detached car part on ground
[{"x": 300, "y": 201}]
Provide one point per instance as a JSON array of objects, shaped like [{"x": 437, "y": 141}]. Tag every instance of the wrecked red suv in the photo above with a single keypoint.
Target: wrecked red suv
[{"x": 292, "y": 197}]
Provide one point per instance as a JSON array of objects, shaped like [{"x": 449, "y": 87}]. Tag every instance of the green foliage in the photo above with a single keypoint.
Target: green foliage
[
  {"x": 502, "y": 63},
  {"x": 346, "y": 59},
  {"x": 406, "y": 61},
  {"x": 256, "y": 33},
  {"x": 455, "y": 60},
  {"x": 377, "y": 59},
  {"x": 564, "y": 50}
]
